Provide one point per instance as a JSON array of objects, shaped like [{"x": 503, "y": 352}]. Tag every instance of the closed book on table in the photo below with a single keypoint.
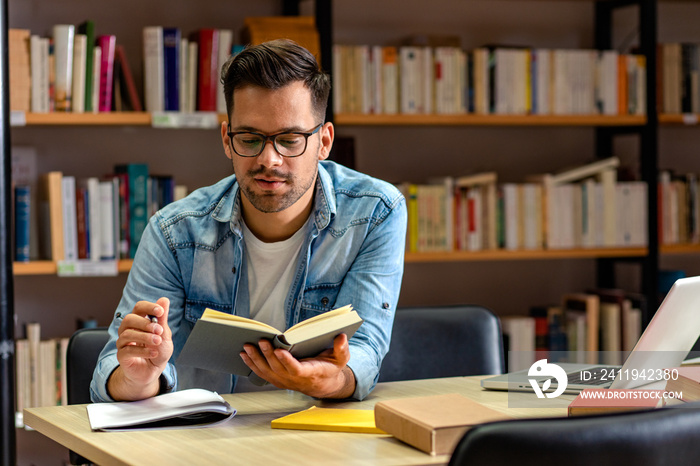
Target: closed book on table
[
  {"x": 433, "y": 424},
  {"x": 605, "y": 400},
  {"x": 685, "y": 380},
  {"x": 330, "y": 419}
]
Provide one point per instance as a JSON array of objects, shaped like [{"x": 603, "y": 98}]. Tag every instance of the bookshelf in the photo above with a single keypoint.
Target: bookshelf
[
  {"x": 386, "y": 145},
  {"x": 348, "y": 119}
]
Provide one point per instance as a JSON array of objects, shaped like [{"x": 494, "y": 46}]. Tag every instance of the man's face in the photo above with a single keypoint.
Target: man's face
[{"x": 270, "y": 182}]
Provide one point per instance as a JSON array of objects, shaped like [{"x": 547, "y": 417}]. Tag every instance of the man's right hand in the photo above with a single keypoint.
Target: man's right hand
[{"x": 143, "y": 351}]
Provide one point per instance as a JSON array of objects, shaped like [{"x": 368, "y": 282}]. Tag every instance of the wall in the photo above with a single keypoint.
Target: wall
[{"x": 395, "y": 154}]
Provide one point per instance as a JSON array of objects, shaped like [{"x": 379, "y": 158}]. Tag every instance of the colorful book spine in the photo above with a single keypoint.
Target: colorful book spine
[
  {"x": 127, "y": 80},
  {"x": 63, "y": 61},
  {"x": 106, "y": 43},
  {"x": 137, "y": 174},
  {"x": 171, "y": 69},
  {"x": 88, "y": 29},
  {"x": 81, "y": 206},
  {"x": 208, "y": 40},
  {"x": 22, "y": 222}
]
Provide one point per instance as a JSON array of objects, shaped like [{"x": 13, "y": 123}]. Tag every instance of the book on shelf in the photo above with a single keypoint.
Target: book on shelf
[
  {"x": 217, "y": 338},
  {"x": 127, "y": 85},
  {"x": 153, "y": 69},
  {"x": 582, "y": 318},
  {"x": 207, "y": 40},
  {"x": 137, "y": 181},
  {"x": 171, "y": 69},
  {"x": 41, "y": 369},
  {"x": 70, "y": 232},
  {"x": 224, "y": 49},
  {"x": 107, "y": 44},
  {"x": 39, "y": 50},
  {"x": 63, "y": 38},
  {"x": 496, "y": 79},
  {"x": 79, "y": 73},
  {"x": 608, "y": 400},
  {"x": 87, "y": 28},
  {"x": 182, "y": 73},
  {"x": 24, "y": 173},
  {"x": 433, "y": 424},
  {"x": 22, "y": 222},
  {"x": 678, "y": 208},
  {"x": 96, "y": 78},
  {"x": 519, "y": 341},
  {"x": 184, "y": 408},
  {"x": 192, "y": 69},
  {"x": 19, "y": 60},
  {"x": 300, "y": 29},
  {"x": 51, "y": 215},
  {"x": 330, "y": 420},
  {"x": 685, "y": 380},
  {"x": 81, "y": 207}
]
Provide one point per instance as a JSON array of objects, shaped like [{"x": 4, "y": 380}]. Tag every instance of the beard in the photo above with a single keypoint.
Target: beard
[{"x": 276, "y": 202}]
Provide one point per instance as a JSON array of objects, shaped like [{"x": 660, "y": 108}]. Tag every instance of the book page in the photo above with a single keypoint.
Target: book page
[
  {"x": 228, "y": 319},
  {"x": 330, "y": 326},
  {"x": 325, "y": 315}
]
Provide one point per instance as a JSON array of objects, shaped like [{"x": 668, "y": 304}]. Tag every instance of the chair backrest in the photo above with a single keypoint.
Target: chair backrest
[
  {"x": 444, "y": 341},
  {"x": 83, "y": 349},
  {"x": 644, "y": 438}
]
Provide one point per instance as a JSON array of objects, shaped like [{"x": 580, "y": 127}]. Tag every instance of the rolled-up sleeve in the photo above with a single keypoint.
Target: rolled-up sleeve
[
  {"x": 154, "y": 274},
  {"x": 372, "y": 285}
]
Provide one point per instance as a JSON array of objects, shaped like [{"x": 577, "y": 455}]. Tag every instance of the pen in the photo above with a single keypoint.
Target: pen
[{"x": 153, "y": 319}]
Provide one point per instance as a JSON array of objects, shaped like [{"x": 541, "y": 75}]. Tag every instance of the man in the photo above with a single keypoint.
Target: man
[{"x": 287, "y": 237}]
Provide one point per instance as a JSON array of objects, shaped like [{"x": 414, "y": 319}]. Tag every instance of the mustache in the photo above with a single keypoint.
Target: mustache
[{"x": 262, "y": 171}]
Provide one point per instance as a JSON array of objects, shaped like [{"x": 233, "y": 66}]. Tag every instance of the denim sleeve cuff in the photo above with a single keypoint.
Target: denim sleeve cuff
[
  {"x": 98, "y": 386},
  {"x": 168, "y": 380},
  {"x": 364, "y": 366},
  {"x": 104, "y": 369}
]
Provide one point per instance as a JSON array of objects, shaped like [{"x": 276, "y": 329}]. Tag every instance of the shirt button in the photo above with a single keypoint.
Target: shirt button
[
  {"x": 385, "y": 305},
  {"x": 324, "y": 301},
  {"x": 233, "y": 270}
]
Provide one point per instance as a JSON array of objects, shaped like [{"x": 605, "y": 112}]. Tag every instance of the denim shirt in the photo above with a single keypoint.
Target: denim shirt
[{"x": 192, "y": 252}]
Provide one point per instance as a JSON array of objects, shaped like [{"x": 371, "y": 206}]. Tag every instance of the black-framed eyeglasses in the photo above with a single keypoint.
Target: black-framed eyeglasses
[{"x": 287, "y": 144}]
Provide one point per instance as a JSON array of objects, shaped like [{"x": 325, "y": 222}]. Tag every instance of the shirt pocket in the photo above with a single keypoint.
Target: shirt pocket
[
  {"x": 319, "y": 299},
  {"x": 195, "y": 309}
]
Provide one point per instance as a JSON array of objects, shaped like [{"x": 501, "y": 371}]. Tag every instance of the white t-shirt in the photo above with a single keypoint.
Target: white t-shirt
[{"x": 271, "y": 268}]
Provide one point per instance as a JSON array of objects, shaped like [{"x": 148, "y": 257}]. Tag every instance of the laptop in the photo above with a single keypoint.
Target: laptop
[{"x": 665, "y": 343}]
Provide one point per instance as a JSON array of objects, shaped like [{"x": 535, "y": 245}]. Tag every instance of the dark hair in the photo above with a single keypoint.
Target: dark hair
[{"x": 273, "y": 65}]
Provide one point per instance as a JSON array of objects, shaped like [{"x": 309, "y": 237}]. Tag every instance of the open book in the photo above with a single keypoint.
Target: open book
[
  {"x": 185, "y": 408},
  {"x": 218, "y": 338}
]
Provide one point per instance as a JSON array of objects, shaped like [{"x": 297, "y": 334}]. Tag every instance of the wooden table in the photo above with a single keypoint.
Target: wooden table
[{"x": 248, "y": 439}]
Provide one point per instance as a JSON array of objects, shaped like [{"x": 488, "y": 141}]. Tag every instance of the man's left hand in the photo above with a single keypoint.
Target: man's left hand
[{"x": 324, "y": 376}]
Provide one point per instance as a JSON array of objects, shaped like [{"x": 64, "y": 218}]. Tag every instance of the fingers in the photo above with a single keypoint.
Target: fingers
[{"x": 263, "y": 357}]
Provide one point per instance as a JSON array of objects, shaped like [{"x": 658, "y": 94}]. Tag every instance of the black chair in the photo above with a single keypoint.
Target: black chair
[
  {"x": 445, "y": 341},
  {"x": 84, "y": 347},
  {"x": 665, "y": 436}
]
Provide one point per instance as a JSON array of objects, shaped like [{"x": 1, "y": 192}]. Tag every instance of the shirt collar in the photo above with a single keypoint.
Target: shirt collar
[{"x": 324, "y": 203}]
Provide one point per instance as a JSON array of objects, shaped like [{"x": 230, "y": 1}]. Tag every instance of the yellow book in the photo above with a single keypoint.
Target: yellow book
[{"x": 330, "y": 419}]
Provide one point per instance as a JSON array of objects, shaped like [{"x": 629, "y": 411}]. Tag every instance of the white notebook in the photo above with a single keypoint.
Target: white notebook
[{"x": 186, "y": 408}]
